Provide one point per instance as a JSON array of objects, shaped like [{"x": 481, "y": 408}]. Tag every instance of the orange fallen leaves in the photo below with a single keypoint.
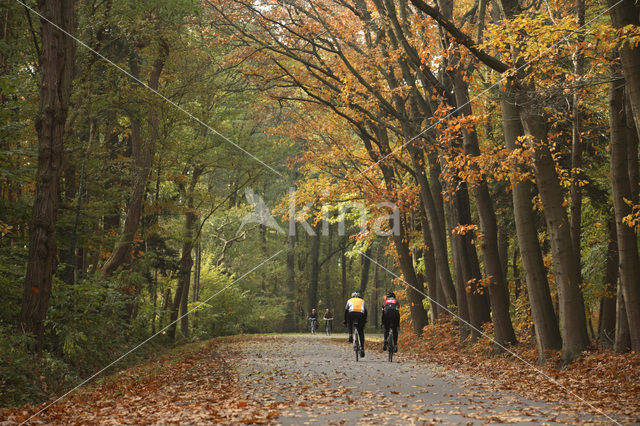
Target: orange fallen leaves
[
  {"x": 604, "y": 379},
  {"x": 201, "y": 387}
]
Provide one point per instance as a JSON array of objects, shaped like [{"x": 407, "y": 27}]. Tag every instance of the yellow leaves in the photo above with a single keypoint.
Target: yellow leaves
[
  {"x": 632, "y": 220},
  {"x": 4, "y": 229}
]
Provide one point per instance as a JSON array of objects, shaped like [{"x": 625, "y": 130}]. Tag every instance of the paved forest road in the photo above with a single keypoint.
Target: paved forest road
[
  {"x": 314, "y": 380},
  {"x": 290, "y": 379}
]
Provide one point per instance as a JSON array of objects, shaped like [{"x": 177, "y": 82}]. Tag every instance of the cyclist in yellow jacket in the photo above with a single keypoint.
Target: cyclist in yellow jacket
[{"x": 356, "y": 311}]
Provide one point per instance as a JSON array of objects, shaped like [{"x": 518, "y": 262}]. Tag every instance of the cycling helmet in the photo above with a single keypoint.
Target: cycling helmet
[
  {"x": 391, "y": 294},
  {"x": 355, "y": 294}
]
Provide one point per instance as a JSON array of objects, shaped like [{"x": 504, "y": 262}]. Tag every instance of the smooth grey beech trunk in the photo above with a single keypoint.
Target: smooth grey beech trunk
[
  {"x": 627, "y": 12},
  {"x": 607, "y": 309},
  {"x": 466, "y": 266},
  {"x": 496, "y": 282},
  {"x": 430, "y": 269},
  {"x": 542, "y": 312},
  {"x": 573, "y": 320},
  {"x": 629, "y": 263},
  {"x": 435, "y": 227},
  {"x": 415, "y": 288}
]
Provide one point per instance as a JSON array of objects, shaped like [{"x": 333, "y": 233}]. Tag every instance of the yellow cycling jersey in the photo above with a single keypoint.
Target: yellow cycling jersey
[{"x": 355, "y": 304}]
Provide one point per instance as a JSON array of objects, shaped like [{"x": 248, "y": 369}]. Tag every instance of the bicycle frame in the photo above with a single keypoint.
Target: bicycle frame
[
  {"x": 313, "y": 325},
  {"x": 328, "y": 323}
]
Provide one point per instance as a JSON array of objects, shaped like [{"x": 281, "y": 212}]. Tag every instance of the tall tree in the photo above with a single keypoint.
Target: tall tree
[
  {"x": 181, "y": 298},
  {"x": 143, "y": 150},
  {"x": 629, "y": 263},
  {"x": 544, "y": 317},
  {"x": 57, "y": 61}
]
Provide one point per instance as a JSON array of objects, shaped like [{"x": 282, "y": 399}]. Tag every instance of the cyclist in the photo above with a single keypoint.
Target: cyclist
[
  {"x": 391, "y": 319},
  {"x": 313, "y": 317},
  {"x": 328, "y": 319},
  {"x": 356, "y": 311}
]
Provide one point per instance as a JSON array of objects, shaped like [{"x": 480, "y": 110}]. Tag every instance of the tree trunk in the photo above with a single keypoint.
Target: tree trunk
[
  {"x": 436, "y": 192},
  {"x": 544, "y": 318},
  {"x": 291, "y": 278},
  {"x": 181, "y": 298},
  {"x": 415, "y": 290},
  {"x": 503, "y": 249},
  {"x": 343, "y": 270},
  {"x": 376, "y": 288},
  {"x": 154, "y": 298},
  {"x": 314, "y": 271},
  {"x": 430, "y": 272},
  {"x": 629, "y": 263},
  {"x": 435, "y": 227},
  {"x": 195, "y": 293},
  {"x": 57, "y": 61},
  {"x": 69, "y": 273},
  {"x": 566, "y": 272},
  {"x": 197, "y": 267},
  {"x": 623, "y": 337},
  {"x": 365, "y": 266},
  {"x": 143, "y": 153},
  {"x": 465, "y": 261},
  {"x": 165, "y": 307},
  {"x": 262, "y": 229},
  {"x": 495, "y": 279},
  {"x": 329, "y": 294},
  {"x": 626, "y": 12},
  {"x": 632, "y": 152},
  {"x": 576, "y": 142},
  {"x": 572, "y": 313},
  {"x": 607, "y": 316}
]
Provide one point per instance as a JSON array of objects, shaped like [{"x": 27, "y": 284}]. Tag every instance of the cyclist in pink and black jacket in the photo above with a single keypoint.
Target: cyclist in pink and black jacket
[{"x": 391, "y": 319}]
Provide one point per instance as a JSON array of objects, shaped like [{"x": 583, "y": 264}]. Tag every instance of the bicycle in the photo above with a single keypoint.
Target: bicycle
[
  {"x": 313, "y": 325},
  {"x": 391, "y": 347},
  {"x": 356, "y": 340},
  {"x": 328, "y": 323}
]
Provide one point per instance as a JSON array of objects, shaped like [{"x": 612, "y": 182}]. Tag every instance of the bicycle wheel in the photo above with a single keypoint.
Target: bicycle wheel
[{"x": 390, "y": 345}]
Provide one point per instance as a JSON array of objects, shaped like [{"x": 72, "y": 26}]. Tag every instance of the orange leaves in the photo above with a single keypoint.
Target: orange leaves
[
  {"x": 192, "y": 385},
  {"x": 632, "y": 220},
  {"x": 463, "y": 229},
  {"x": 607, "y": 380}
]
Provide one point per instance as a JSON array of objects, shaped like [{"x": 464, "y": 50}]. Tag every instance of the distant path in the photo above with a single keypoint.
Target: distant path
[{"x": 311, "y": 379}]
